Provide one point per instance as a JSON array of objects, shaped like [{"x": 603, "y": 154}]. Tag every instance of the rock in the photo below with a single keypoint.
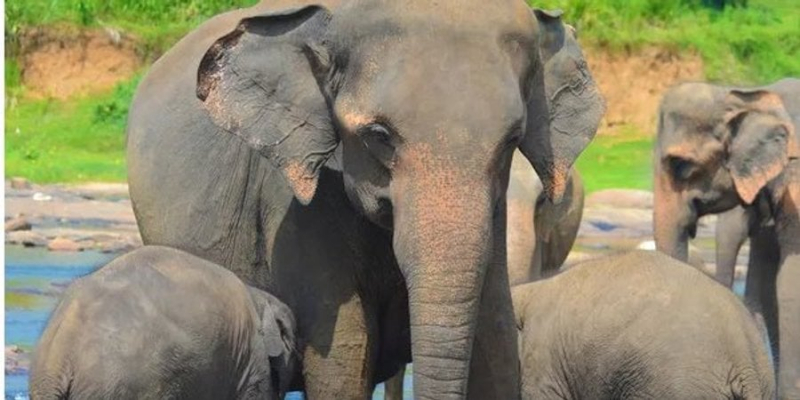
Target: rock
[
  {"x": 616, "y": 222},
  {"x": 17, "y": 360},
  {"x": 64, "y": 244},
  {"x": 621, "y": 198},
  {"x": 39, "y": 196},
  {"x": 18, "y": 224},
  {"x": 26, "y": 238},
  {"x": 20, "y": 183},
  {"x": 116, "y": 246}
]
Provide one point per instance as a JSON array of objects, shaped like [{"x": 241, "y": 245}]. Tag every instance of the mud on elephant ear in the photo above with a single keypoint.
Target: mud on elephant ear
[
  {"x": 759, "y": 148},
  {"x": 260, "y": 83},
  {"x": 559, "y": 129}
]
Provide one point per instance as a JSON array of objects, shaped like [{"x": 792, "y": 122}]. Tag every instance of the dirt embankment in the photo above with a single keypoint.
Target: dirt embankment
[
  {"x": 63, "y": 62},
  {"x": 633, "y": 82}
]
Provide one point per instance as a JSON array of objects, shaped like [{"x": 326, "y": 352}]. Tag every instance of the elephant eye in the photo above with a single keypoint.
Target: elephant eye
[
  {"x": 682, "y": 169},
  {"x": 379, "y": 141}
]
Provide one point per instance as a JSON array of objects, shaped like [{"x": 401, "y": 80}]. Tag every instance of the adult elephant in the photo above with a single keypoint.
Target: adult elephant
[
  {"x": 334, "y": 155},
  {"x": 719, "y": 148},
  {"x": 733, "y": 228},
  {"x": 540, "y": 233}
]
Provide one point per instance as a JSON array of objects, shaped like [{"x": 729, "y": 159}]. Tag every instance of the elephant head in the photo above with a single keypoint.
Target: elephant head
[
  {"x": 716, "y": 148},
  {"x": 426, "y": 103}
]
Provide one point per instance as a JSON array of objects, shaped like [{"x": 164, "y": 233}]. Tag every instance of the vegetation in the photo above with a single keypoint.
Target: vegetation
[
  {"x": 156, "y": 23},
  {"x": 79, "y": 140},
  {"x": 83, "y": 138},
  {"x": 754, "y": 44}
]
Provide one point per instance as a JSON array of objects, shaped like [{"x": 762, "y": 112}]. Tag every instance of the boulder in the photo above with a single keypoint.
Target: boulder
[
  {"x": 17, "y": 360},
  {"x": 19, "y": 223},
  {"x": 26, "y": 238},
  {"x": 20, "y": 183},
  {"x": 64, "y": 244}
]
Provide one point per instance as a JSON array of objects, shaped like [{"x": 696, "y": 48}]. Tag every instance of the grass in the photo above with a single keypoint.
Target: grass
[
  {"x": 618, "y": 161},
  {"x": 756, "y": 44},
  {"x": 82, "y": 139},
  {"x": 157, "y": 24},
  {"x": 78, "y": 140}
]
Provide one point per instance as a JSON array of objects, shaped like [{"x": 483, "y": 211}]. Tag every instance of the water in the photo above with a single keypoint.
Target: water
[{"x": 35, "y": 280}]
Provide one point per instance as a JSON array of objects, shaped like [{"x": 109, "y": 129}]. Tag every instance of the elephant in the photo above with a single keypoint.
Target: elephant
[
  {"x": 719, "y": 148},
  {"x": 331, "y": 154},
  {"x": 159, "y": 323},
  {"x": 540, "y": 232},
  {"x": 626, "y": 326},
  {"x": 733, "y": 228}
]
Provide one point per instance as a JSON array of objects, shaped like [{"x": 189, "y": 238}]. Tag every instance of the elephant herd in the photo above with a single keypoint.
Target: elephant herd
[{"x": 329, "y": 191}]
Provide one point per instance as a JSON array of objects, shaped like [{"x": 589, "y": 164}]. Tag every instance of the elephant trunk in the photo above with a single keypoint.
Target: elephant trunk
[
  {"x": 673, "y": 218},
  {"x": 443, "y": 242}
]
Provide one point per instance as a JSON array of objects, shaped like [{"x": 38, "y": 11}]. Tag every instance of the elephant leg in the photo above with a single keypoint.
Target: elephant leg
[
  {"x": 494, "y": 369},
  {"x": 789, "y": 321},
  {"x": 760, "y": 290},
  {"x": 732, "y": 230},
  {"x": 522, "y": 244},
  {"x": 338, "y": 360},
  {"x": 394, "y": 385},
  {"x": 538, "y": 267}
]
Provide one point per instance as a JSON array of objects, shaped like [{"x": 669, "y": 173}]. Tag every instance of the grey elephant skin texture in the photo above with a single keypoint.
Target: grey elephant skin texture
[
  {"x": 159, "y": 323},
  {"x": 638, "y": 325},
  {"x": 719, "y": 148},
  {"x": 540, "y": 233},
  {"x": 333, "y": 154}
]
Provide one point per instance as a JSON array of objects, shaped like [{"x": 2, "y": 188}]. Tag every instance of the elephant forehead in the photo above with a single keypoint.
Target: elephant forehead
[{"x": 418, "y": 14}]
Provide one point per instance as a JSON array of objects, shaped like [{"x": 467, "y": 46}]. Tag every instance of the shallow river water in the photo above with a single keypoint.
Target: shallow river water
[{"x": 35, "y": 280}]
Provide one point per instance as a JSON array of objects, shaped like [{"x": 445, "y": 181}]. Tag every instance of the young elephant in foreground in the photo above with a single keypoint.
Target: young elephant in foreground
[
  {"x": 639, "y": 325},
  {"x": 159, "y": 323}
]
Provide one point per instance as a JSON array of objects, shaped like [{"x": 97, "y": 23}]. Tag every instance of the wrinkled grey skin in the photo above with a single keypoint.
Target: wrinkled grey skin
[
  {"x": 158, "y": 323},
  {"x": 333, "y": 155},
  {"x": 540, "y": 233},
  {"x": 719, "y": 148},
  {"x": 733, "y": 227},
  {"x": 626, "y": 326}
]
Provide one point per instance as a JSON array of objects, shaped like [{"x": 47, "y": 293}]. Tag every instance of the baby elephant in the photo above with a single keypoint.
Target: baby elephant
[
  {"x": 639, "y": 325},
  {"x": 159, "y": 323}
]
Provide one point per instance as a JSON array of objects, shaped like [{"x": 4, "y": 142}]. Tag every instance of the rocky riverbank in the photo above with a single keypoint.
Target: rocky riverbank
[
  {"x": 70, "y": 217},
  {"x": 99, "y": 217}
]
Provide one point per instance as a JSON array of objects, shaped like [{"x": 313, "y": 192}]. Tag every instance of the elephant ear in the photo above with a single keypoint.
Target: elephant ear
[
  {"x": 273, "y": 335},
  {"x": 259, "y": 82},
  {"x": 565, "y": 117},
  {"x": 762, "y": 140}
]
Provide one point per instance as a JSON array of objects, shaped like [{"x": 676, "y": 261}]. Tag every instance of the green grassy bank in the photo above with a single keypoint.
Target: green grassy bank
[{"x": 82, "y": 139}]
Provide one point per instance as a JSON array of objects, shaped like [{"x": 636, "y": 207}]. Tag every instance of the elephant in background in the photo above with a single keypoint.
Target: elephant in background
[
  {"x": 733, "y": 228},
  {"x": 540, "y": 233},
  {"x": 333, "y": 154},
  {"x": 719, "y": 148},
  {"x": 626, "y": 326},
  {"x": 160, "y": 323}
]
